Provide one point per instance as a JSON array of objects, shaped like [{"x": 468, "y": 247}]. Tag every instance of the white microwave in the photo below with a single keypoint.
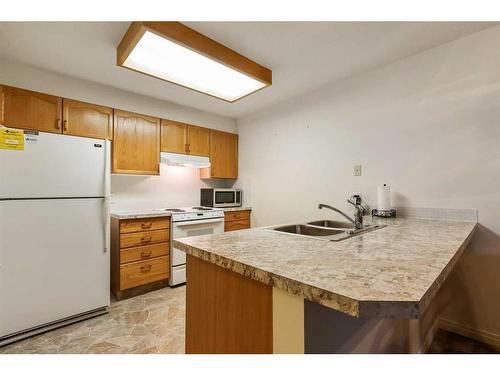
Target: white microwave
[{"x": 221, "y": 197}]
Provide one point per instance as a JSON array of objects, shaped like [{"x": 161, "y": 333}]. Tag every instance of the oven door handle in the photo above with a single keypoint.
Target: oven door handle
[{"x": 196, "y": 222}]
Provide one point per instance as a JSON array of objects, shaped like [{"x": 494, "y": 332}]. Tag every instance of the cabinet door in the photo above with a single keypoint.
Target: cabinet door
[
  {"x": 198, "y": 140},
  {"x": 136, "y": 143},
  {"x": 30, "y": 110},
  {"x": 87, "y": 120},
  {"x": 173, "y": 137},
  {"x": 223, "y": 155}
]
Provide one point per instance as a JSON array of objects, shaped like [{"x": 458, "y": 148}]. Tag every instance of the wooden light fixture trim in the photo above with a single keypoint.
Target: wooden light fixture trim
[{"x": 193, "y": 40}]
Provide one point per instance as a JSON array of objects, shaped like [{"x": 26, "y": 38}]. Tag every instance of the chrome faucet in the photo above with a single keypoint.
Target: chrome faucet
[{"x": 355, "y": 200}]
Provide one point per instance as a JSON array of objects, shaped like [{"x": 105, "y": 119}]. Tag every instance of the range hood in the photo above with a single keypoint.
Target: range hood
[{"x": 181, "y": 160}]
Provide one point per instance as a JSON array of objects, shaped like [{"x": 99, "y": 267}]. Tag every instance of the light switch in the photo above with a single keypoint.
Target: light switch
[{"x": 357, "y": 170}]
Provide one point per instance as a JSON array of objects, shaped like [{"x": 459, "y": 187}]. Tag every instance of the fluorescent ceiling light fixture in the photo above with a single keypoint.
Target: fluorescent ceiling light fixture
[{"x": 173, "y": 52}]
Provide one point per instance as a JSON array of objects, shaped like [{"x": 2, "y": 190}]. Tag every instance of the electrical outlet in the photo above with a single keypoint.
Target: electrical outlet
[
  {"x": 357, "y": 170},
  {"x": 112, "y": 198}
]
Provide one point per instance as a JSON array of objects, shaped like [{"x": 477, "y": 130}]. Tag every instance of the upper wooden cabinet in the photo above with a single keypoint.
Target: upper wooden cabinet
[
  {"x": 136, "y": 143},
  {"x": 173, "y": 136},
  {"x": 30, "y": 110},
  {"x": 182, "y": 138},
  {"x": 223, "y": 156},
  {"x": 198, "y": 140},
  {"x": 87, "y": 120}
]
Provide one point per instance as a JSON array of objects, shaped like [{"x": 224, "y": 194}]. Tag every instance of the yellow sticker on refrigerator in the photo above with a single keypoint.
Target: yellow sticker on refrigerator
[{"x": 11, "y": 139}]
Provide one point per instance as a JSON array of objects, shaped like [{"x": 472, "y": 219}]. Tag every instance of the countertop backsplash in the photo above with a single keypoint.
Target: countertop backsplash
[{"x": 174, "y": 187}]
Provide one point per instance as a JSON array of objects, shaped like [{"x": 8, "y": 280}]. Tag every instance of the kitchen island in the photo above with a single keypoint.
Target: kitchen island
[{"x": 261, "y": 291}]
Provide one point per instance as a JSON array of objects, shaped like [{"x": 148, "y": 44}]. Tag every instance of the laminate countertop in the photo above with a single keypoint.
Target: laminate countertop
[
  {"x": 242, "y": 208},
  {"x": 139, "y": 214},
  {"x": 145, "y": 213},
  {"x": 392, "y": 272}
]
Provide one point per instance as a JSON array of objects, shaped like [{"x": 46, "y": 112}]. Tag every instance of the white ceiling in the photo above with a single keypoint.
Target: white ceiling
[{"x": 302, "y": 55}]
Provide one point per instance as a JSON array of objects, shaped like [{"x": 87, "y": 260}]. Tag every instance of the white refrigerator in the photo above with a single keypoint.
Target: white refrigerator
[{"x": 54, "y": 233}]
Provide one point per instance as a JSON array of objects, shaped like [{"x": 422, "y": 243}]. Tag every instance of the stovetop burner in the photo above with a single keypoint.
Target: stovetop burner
[{"x": 193, "y": 213}]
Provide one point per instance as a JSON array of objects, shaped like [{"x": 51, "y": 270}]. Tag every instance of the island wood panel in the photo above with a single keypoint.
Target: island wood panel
[
  {"x": 30, "y": 110},
  {"x": 173, "y": 137},
  {"x": 198, "y": 140},
  {"x": 136, "y": 143},
  {"x": 223, "y": 156},
  {"x": 87, "y": 120},
  {"x": 226, "y": 313}
]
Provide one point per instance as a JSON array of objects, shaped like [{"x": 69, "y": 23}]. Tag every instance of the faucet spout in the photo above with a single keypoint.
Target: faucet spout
[
  {"x": 358, "y": 211},
  {"x": 321, "y": 205}
]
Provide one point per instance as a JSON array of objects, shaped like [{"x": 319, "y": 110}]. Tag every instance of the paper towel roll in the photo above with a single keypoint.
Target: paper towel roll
[{"x": 384, "y": 197}]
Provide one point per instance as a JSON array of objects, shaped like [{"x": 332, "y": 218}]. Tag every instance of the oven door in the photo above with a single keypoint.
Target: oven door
[{"x": 191, "y": 229}]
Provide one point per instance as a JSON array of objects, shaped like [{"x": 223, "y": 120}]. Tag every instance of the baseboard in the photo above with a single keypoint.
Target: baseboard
[
  {"x": 488, "y": 338},
  {"x": 52, "y": 325}
]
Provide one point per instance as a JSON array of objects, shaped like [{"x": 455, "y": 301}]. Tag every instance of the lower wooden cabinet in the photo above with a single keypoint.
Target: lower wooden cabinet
[
  {"x": 143, "y": 272},
  {"x": 140, "y": 255},
  {"x": 236, "y": 220}
]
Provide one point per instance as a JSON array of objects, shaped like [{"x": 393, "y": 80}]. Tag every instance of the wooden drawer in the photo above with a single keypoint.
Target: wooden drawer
[
  {"x": 138, "y": 225},
  {"x": 236, "y": 225},
  {"x": 143, "y": 272},
  {"x": 134, "y": 254},
  {"x": 236, "y": 215},
  {"x": 144, "y": 238}
]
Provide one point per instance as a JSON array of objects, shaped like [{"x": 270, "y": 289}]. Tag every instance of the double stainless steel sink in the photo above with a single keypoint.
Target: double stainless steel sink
[{"x": 326, "y": 230}]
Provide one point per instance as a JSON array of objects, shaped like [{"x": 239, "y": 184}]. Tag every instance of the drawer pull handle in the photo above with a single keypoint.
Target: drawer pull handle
[
  {"x": 146, "y": 268},
  {"x": 146, "y": 239},
  {"x": 146, "y": 226},
  {"x": 146, "y": 255}
]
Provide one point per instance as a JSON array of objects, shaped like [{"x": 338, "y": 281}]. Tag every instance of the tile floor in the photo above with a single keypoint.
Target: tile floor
[
  {"x": 451, "y": 343},
  {"x": 151, "y": 323},
  {"x": 154, "y": 323}
]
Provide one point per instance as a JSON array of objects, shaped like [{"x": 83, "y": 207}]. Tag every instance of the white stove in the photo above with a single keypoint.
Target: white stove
[
  {"x": 189, "y": 222},
  {"x": 193, "y": 213}
]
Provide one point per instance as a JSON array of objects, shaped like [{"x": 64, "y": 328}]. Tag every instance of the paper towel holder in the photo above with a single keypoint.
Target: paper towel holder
[{"x": 384, "y": 213}]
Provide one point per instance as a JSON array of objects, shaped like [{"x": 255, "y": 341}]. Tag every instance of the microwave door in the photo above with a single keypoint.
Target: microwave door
[{"x": 224, "y": 198}]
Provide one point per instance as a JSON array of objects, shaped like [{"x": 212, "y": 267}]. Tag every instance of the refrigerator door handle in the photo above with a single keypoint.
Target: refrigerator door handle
[
  {"x": 107, "y": 188},
  {"x": 106, "y": 225}
]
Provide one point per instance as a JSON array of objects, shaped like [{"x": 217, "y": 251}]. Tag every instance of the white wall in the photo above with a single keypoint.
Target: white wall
[
  {"x": 428, "y": 125},
  {"x": 175, "y": 186}
]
